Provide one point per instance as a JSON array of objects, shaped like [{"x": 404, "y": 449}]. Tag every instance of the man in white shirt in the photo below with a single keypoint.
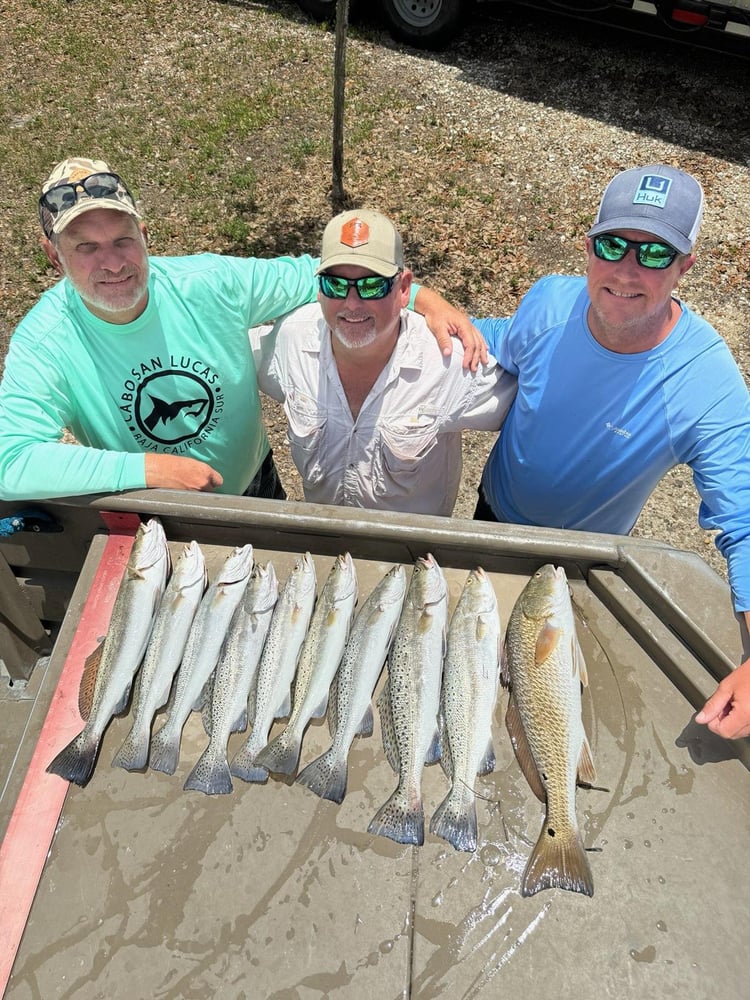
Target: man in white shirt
[{"x": 374, "y": 409}]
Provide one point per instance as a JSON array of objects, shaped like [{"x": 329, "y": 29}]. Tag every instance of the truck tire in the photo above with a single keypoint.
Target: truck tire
[{"x": 427, "y": 24}]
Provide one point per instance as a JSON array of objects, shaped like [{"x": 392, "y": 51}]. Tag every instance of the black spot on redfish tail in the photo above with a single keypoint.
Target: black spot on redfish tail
[{"x": 558, "y": 861}]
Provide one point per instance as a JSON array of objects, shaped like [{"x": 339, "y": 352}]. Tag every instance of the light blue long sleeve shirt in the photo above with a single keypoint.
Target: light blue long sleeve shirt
[{"x": 591, "y": 432}]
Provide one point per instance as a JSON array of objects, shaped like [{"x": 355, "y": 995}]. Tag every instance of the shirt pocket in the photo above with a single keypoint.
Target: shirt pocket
[
  {"x": 306, "y": 424},
  {"x": 402, "y": 459}
]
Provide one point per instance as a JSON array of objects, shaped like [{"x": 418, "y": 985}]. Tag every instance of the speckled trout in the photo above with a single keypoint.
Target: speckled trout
[
  {"x": 543, "y": 665},
  {"x": 163, "y": 654},
  {"x": 234, "y": 675},
  {"x": 318, "y": 662},
  {"x": 201, "y": 655},
  {"x": 409, "y": 701},
  {"x": 289, "y": 623},
  {"x": 108, "y": 675},
  {"x": 471, "y": 673},
  {"x": 350, "y": 706}
]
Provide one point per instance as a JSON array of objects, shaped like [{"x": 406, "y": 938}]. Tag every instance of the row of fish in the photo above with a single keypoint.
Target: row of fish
[{"x": 244, "y": 651}]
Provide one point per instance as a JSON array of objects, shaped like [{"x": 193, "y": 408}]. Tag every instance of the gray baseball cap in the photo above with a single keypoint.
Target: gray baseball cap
[{"x": 658, "y": 199}]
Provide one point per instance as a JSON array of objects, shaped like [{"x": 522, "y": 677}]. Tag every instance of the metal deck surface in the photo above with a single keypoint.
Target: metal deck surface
[{"x": 270, "y": 892}]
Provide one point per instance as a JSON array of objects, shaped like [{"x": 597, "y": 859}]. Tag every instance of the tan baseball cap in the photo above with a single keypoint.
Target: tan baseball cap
[
  {"x": 365, "y": 238},
  {"x": 58, "y": 209}
]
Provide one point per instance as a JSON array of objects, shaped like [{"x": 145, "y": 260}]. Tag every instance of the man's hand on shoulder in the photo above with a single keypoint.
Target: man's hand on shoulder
[
  {"x": 176, "y": 472},
  {"x": 445, "y": 321}
]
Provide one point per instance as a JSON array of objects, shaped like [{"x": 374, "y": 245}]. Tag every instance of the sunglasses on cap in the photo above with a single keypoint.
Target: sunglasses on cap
[
  {"x": 63, "y": 196},
  {"x": 373, "y": 286},
  {"x": 653, "y": 255}
]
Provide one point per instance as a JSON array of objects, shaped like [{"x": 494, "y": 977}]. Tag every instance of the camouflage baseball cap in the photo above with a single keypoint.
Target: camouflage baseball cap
[
  {"x": 77, "y": 185},
  {"x": 367, "y": 239}
]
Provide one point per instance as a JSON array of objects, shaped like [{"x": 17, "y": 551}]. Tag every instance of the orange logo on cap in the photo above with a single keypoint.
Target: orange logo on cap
[
  {"x": 78, "y": 174},
  {"x": 355, "y": 233}
]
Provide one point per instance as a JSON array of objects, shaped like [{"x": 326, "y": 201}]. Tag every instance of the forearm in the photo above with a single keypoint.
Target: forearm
[{"x": 44, "y": 470}]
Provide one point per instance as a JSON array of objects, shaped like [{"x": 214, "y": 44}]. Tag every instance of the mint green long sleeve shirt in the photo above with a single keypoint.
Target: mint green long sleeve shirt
[{"x": 178, "y": 380}]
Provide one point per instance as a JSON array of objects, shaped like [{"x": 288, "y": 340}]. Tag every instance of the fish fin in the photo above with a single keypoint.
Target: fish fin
[
  {"x": 164, "y": 754},
  {"x": 546, "y": 641},
  {"x": 133, "y": 754},
  {"x": 76, "y": 761},
  {"x": 281, "y": 755},
  {"x": 399, "y": 820},
  {"x": 558, "y": 861},
  {"x": 388, "y": 729},
  {"x": 504, "y": 665},
  {"x": 522, "y": 750},
  {"x": 243, "y": 766},
  {"x": 320, "y": 709},
  {"x": 326, "y": 776},
  {"x": 367, "y": 725},
  {"x": 208, "y": 696},
  {"x": 88, "y": 681},
  {"x": 434, "y": 751},
  {"x": 579, "y": 664},
  {"x": 455, "y": 820},
  {"x": 446, "y": 755},
  {"x": 332, "y": 713},
  {"x": 284, "y": 708},
  {"x": 240, "y": 724},
  {"x": 586, "y": 770},
  {"x": 206, "y": 718},
  {"x": 122, "y": 704},
  {"x": 204, "y": 698},
  {"x": 211, "y": 777},
  {"x": 488, "y": 761}
]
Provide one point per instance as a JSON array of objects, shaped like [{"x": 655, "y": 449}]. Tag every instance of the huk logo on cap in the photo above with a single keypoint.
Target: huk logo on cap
[
  {"x": 355, "y": 233},
  {"x": 653, "y": 190}
]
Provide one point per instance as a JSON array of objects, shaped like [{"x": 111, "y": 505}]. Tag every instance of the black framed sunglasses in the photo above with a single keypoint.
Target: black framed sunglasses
[
  {"x": 653, "y": 255},
  {"x": 373, "y": 286},
  {"x": 64, "y": 196}
]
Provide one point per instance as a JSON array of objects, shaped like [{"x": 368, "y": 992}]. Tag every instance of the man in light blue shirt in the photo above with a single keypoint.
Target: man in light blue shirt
[{"x": 618, "y": 382}]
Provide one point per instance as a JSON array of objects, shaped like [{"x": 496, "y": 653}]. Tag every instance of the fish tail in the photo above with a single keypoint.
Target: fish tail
[
  {"x": 165, "y": 751},
  {"x": 133, "y": 754},
  {"x": 400, "y": 819},
  {"x": 455, "y": 820},
  {"x": 76, "y": 761},
  {"x": 282, "y": 754},
  {"x": 558, "y": 861},
  {"x": 210, "y": 775},
  {"x": 243, "y": 766},
  {"x": 326, "y": 776}
]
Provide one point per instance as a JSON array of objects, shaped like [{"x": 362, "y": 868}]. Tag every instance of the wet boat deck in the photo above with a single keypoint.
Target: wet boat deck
[{"x": 270, "y": 892}]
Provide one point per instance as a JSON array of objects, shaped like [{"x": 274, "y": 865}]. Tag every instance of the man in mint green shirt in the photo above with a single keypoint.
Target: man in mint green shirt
[{"x": 146, "y": 361}]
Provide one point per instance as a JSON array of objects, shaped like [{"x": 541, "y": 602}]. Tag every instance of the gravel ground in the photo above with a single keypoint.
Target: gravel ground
[{"x": 491, "y": 157}]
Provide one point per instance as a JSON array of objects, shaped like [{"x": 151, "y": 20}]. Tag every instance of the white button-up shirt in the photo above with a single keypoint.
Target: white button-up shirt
[{"x": 403, "y": 451}]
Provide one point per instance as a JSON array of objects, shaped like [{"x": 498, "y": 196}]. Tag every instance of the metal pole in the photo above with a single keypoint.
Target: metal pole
[{"x": 338, "y": 195}]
